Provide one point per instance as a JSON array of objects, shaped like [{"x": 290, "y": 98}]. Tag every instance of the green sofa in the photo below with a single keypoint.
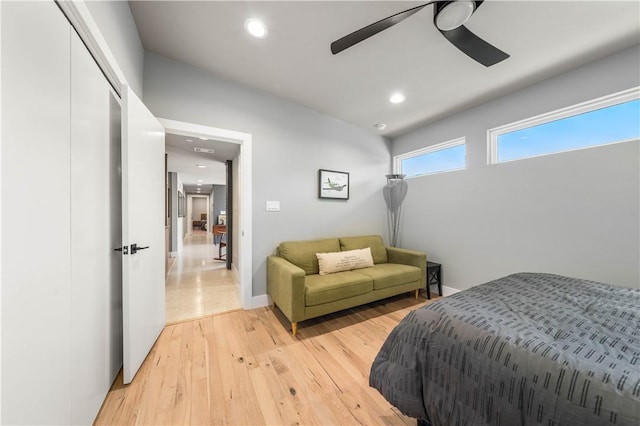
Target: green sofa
[{"x": 300, "y": 292}]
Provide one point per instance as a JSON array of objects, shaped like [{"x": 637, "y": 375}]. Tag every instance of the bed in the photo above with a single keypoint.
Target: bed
[{"x": 526, "y": 349}]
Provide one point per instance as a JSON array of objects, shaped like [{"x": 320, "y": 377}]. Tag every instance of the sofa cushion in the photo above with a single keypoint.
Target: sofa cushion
[
  {"x": 303, "y": 253},
  {"x": 321, "y": 289},
  {"x": 391, "y": 274},
  {"x": 378, "y": 250},
  {"x": 330, "y": 263}
]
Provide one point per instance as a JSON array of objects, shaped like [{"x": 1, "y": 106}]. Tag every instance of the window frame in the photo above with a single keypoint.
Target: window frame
[
  {"x": 558, "y": 114},
  {"x": 397, "y": 159}
]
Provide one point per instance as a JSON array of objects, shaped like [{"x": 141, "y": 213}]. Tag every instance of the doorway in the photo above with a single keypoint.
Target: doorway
[{"x": 240, "y": 216}]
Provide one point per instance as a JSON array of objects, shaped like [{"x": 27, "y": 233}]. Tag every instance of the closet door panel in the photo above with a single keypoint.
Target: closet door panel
[
  {"x": 36, "y": 293},
  {"x": 95, "y": 325}
]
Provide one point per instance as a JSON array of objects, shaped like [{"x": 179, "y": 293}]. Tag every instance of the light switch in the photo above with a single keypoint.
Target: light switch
[{"x": 273, "y": 206}]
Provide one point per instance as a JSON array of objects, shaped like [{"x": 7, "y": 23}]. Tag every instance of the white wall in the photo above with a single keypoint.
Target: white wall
[
  {"x": 574, "y": 213},
  {"x": 199, "y": 207},
  {"x": 119, "y": 31},
  {"x": 290, "y": 143}
]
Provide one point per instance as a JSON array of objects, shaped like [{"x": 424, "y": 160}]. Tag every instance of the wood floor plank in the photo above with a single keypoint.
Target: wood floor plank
[
  {"x": 274, "y": 396},
  {"x": 217, "y": 411},
  {"x": 245, "y": 368}
]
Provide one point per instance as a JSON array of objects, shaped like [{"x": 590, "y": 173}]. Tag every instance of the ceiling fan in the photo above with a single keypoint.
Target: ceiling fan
[{"x": 448, "y": 17}]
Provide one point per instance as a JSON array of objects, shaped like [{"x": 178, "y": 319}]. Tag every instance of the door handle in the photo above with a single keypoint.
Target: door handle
[
  {"x": 123, "y": 249},
  {"x": 135, "y": 248}
]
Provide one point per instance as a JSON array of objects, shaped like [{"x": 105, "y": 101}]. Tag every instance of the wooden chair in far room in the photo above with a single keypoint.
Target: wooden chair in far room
[{"x": 220, "y": 238}]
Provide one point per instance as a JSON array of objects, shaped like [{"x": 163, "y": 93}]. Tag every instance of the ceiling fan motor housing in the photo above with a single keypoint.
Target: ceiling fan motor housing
[{"x": 449, "y": 15}]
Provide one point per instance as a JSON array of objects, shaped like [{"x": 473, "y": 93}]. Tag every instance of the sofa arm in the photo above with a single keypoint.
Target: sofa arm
[
  {"x": 409, "y": 257},
  {"x": 285, "y": 285}
]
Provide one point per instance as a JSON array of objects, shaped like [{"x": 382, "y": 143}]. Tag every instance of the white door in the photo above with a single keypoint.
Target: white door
[
  {"x": 142, "y": 231},
  {"x": 35, "y": 104}
]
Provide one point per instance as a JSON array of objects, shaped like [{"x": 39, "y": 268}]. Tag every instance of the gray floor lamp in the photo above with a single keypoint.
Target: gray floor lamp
[{"x": 394, "y": 193}]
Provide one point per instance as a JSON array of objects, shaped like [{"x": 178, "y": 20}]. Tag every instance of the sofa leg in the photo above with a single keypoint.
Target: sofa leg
[
  {"x": 294, "y": 328},
  {"x": 417, "y": 292}
]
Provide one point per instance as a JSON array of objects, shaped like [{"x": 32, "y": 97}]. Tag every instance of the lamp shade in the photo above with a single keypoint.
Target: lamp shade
[
  {"x": 394, "y": 194},
  {"x": 395, "y": 191}
]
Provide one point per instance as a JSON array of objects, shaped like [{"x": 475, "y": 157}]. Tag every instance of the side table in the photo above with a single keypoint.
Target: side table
[{"x": 434, "y": 276}]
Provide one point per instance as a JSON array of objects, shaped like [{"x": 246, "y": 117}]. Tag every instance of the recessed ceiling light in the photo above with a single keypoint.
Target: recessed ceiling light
[
  {"x": 256, "y": 28},
  {"x": 202, "y": 166},
  {"x": 381, "y": 126},
  {"x": 189, "y": 140},
  {"x": 200, "y": 180},
  {"x": 397, "y": 98},
  {"x": 199, "y": 184}
]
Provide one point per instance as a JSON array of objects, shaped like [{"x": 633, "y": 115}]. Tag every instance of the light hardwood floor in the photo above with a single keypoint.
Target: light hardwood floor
[
  {"x": 198, "y": 285},
  {"x": 245, "y": 368}
]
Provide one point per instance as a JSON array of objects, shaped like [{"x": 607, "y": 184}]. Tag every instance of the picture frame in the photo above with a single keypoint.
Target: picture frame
[{"x": 333, "y": 184}]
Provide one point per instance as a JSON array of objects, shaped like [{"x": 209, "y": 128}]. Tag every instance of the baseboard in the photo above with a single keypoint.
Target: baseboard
[
  {"x": 448, "y": 291},
  {"x": 235, "y": 272},
  {"x": 260, "y": 301}
]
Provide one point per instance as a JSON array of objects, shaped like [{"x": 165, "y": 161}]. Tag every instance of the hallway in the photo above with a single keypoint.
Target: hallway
[{"x": 198, "y": 285}]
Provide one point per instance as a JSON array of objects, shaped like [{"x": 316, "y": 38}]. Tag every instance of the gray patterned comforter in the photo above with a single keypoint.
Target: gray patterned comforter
[{"x": 527, "y": 349}]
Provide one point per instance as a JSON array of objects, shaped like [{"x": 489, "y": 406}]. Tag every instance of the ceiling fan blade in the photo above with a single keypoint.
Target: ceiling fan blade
[
  {"x": 475, "y": 47},
  {"x": 372, "y": 29}
]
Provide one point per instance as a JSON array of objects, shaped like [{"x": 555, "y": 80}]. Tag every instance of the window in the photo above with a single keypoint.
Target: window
[
  {"x": 610, "y": 119},
  {"x": 443, "y": 157}
]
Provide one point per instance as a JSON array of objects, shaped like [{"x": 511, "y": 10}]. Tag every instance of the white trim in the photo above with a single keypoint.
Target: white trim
[
  {"x": 448, "y": 291},
  {"x": 82, "y": 21},
  {"x": 570, "y": 111},
  {"x": 235, "y": 272},
  {"x": 260, "y": 301},
  {"x": 1, "y": 198},
  {"x": 244, "y": 228},
  {"x": 397, "y": 159}
]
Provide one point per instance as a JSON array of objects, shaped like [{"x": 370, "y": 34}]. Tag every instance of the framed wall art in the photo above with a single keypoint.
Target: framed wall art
[{"x": 333, "y": 184}]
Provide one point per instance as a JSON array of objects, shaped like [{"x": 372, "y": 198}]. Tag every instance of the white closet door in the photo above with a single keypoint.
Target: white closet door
[
  {"x": 96, "y": 326},
  {"x": 142, "y": 225},
  {"x": 36, "y": 294}
]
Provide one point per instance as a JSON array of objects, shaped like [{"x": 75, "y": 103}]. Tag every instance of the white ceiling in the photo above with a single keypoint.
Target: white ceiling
[
  {"x": 182, "y": 158},
  {"x": 544, "y": 38}
]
